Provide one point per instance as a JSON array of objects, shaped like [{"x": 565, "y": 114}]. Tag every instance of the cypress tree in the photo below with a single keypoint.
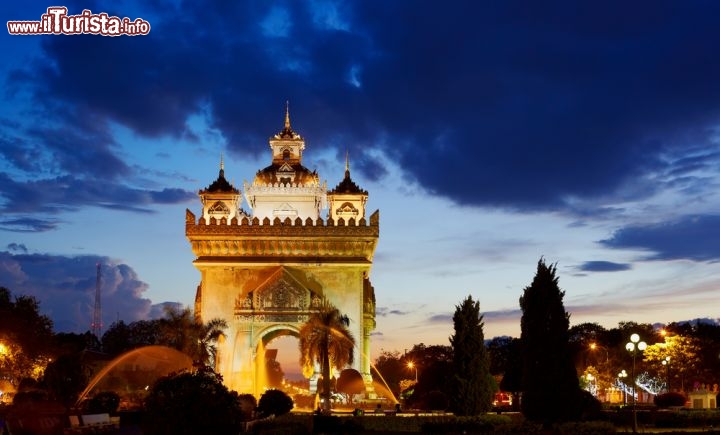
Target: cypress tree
[
  {"x": 551, "y": 391},
  {"x": 472, "y": 385}
]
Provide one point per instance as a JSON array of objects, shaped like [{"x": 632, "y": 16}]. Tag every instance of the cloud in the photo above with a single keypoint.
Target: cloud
[
  {"x": 440, "y": 318},
  {"x": 158, "y": 310},
  {"x": 500, "y": 315},
  {"x": 65, "y": 287},
  {"x": 687, "y": 238},
  {"x": 495, "y": 316},
  {"x": 17, "y": 247},
  {"x": 68, "y": 193},
  {"x": 27, "y": 225},
  {"x": 603, "y": 266},
  {"x": 385, "y": 311},
  {"x": 535, "y": 107}
]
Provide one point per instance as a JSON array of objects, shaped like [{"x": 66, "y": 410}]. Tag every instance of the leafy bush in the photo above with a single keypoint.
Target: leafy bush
[
  {"x": 103, "y": 402},
  {"x": 191, "y": 404},
  {"x": 587, "y": 428},
  {"x": 31, "y": 396},
  {"x": 667, "y": 400},
  {"x": 248, "y": 405},
  {"x": 687, "y": 418},
  {"x": 274, "y": 402}
]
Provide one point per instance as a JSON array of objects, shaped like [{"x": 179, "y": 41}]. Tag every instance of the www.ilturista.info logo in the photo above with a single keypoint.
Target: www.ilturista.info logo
[{"x": 57, "y": 22}]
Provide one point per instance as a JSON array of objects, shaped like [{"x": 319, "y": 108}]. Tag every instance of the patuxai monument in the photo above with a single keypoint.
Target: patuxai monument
[{"x": 265, "y": 268}]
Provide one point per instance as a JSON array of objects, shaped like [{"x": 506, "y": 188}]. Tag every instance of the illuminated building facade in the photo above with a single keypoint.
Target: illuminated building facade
[{"x": 266, "y": 269}]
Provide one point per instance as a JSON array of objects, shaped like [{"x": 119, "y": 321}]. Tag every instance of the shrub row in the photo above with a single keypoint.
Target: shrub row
[
  {"x": 486, "y": 425},
  {"x": 682, "y": 418},
  {"x": 687, "y": 418},
  {"x": 299, "y": 424}
]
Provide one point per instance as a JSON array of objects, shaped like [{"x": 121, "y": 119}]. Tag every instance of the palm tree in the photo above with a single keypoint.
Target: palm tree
[
  {"x": 181, "y": 330},
  {"x": 209, "y": 334},
  {"x": 326, "y": 339},
  {"x": 177, "y": 329}
]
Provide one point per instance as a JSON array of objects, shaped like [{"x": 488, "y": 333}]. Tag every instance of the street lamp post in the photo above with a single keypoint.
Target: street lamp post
[
  {"x": 622, "y": 375},
  {"x": 594, "y": 346},
  {"x": 666, "y": 363},
  {"x": 411, "y": 365},
  {"x": 633, "y": 346}
]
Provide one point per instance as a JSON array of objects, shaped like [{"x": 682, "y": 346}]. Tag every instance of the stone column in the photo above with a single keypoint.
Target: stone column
[{"x": 365, "y": 363}]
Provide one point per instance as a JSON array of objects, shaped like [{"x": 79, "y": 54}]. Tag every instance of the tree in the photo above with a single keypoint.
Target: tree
[
  {"x": 24, "y": 337},
  {"x": 180, "y": 330},
  {"x": 708, "y": 336},
  {"x": 190, "y": 404},
  {"x": 116, "y": 340},
  {"x": 509, "y": 351},
  {"x": 684, "y": 362},
  {"x": 392, "y": 370},
  {"x": 551, "y": 390},
  {"x": 66, "y": 377},
  {"x": 435, "y": 371},
  {"x": 208, "y": 335},
  {"x": 69, "y": 343},
  {"x": 472, "y": 385},
  {"x": 274, "y": 402},
  {"x": 582, "y": 337},
  {"x": 325, "y": 339},
  {"x": 499, "y": 349},
  {"x": 121, "y": 337},
  {"x": 350, "y": 383}
]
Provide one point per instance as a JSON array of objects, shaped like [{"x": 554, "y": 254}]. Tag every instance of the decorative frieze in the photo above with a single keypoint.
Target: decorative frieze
[
  {"x": 283, "y": 238},
  {"x": 306, "y": 248}
]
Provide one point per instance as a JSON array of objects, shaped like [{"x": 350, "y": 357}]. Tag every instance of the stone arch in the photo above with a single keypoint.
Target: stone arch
[
  {"x": 273, "y": 331},
  {"x": 277, "y": 304},
  {"x": 260, "y": 352}
]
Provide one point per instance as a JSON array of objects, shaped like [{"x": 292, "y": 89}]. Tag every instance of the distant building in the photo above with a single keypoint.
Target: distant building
[{"x": 266, "y": 269}]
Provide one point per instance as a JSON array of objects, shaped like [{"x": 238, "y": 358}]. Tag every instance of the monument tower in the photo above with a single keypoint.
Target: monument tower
[{"x": 264, "y": 271}]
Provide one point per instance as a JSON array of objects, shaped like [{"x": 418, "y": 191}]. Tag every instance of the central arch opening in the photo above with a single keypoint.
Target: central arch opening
[
  {"x": 288, "y": 356},
  {"x": 278, "y": 364}
]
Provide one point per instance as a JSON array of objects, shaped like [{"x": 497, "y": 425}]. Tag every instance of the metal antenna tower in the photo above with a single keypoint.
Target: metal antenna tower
[{"x": 97, "y": 312}]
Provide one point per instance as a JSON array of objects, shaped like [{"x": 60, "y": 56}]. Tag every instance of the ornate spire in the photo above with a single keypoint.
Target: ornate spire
[
  {"x": 287, "y": 116},
  {"x": 221, "y": 184},
  {"x": 287, "y": 132},
  {"x": 347, "y": 185}
]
